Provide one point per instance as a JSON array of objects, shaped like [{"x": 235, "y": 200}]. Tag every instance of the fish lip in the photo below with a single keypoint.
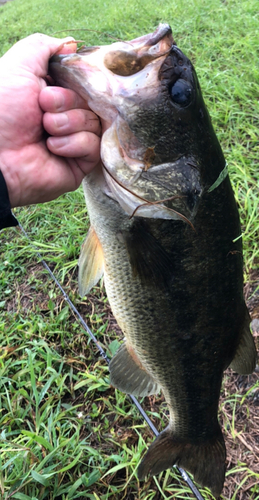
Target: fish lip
[
  {"x": 163, "y": 30},
  {"x": 86, "y": 49},
  {"x": 58, "y": 58}
]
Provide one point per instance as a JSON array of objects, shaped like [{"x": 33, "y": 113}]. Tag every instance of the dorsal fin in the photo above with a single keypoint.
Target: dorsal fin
[{"x": 91, "y": 263}]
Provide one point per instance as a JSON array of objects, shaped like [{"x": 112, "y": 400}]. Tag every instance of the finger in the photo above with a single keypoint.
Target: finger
[
  {"x": 81, "y": 167},
  {"x": 78, "y": 145},
  {"x": 34, "y": 52},
  {"x": 58, "y": 99},
  {"x": 75, "y": 120}
]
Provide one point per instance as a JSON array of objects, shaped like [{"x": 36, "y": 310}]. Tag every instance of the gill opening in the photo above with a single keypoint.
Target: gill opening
[{"x": 148, "y": 202}]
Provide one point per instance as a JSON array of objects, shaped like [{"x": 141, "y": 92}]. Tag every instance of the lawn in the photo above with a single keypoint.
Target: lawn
[{"x": 65, "y": 432}]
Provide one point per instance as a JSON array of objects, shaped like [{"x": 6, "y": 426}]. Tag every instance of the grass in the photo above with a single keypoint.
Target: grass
[{"x": 65, "y": 433}]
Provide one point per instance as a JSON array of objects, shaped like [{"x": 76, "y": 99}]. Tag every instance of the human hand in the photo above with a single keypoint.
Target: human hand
[{"x": 35, "y": 169}]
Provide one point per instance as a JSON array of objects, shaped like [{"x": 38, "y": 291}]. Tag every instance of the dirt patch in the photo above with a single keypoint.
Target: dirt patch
[
  {"x": 241, "y": 424},
  {"x": 28, "y": 295},
  {"x": 251, "y": 292}
]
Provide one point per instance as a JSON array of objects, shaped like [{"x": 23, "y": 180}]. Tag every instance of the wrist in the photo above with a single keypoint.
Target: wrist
[
  {"x": 6, "y": 217},
  {"x": 10, "y": 178}
]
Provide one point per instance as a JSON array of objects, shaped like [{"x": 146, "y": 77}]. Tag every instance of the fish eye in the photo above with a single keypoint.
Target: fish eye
[{"x": 181, "y": 92}]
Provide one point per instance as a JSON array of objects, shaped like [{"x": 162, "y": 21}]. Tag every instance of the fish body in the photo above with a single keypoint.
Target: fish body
[{"x": 165, "y": 233}]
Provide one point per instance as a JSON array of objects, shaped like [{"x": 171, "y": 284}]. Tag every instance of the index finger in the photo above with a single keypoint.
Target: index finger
[
  {"x": 58, "y": 99},
  {"x": 34, "y": 52}
]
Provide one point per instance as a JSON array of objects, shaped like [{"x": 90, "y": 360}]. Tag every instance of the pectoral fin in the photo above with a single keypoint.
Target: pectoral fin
[
  {"x": 148, "y": 258},
  {"x": 128, "y": 374},
  {"x": 91, "y": 263},
  {"x": 244, "y": 361}
]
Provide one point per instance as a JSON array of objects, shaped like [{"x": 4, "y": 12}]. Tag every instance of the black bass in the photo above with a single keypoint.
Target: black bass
[{"x": 165, "y": 233}]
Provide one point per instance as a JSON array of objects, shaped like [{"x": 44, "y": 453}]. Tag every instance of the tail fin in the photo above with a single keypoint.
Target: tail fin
[{"x": 206, "y": 461}]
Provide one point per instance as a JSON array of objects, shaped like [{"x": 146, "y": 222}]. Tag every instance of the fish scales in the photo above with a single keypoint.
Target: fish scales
[{"x": 165, "y": 233}]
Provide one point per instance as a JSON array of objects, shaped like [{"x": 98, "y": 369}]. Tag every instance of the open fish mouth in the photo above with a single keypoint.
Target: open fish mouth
[
  {"x": 132, "y": 58},
  {"x": 100, "y": 71}
]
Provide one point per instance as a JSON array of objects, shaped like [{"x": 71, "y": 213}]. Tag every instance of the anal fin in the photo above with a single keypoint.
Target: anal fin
[
  {"x": 244, "y": 361},
  {"x": 128, "y": 374},
  {"x": 91, "y": 263}
]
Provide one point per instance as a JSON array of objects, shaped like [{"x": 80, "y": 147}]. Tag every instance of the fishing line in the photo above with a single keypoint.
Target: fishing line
[
  {"x": 184, "y": 474},
  {"x": 90, "y": 31}
]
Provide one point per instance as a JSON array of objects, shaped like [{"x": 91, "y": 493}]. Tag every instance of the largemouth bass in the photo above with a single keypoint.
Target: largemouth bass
[{"x": 165, "y": 233}]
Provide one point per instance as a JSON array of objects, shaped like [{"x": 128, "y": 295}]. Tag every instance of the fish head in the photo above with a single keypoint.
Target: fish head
[{"x": 155, "y": 123}]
